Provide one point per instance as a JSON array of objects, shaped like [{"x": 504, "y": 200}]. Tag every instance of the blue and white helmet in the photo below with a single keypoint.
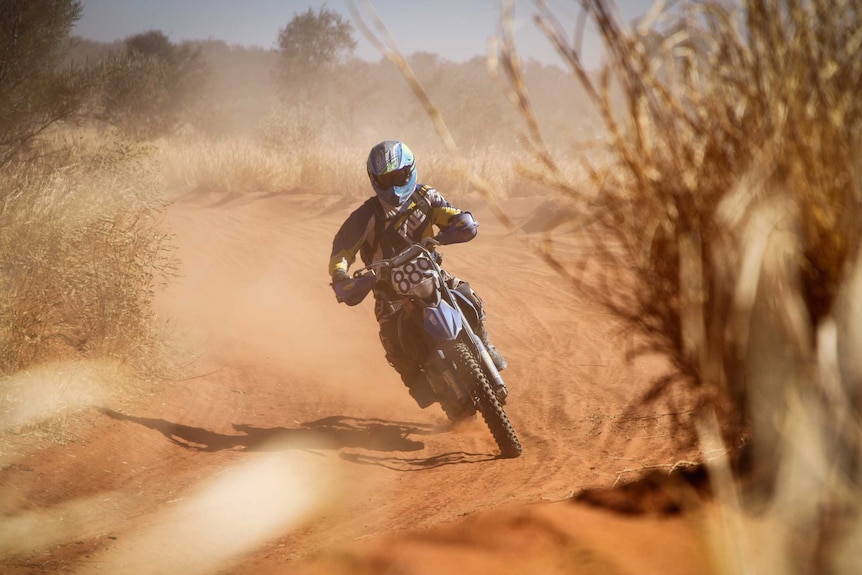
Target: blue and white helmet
[{"x": 392, "y": 172}]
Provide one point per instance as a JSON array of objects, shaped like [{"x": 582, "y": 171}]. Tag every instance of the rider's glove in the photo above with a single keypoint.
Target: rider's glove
[
  {"x": 339, "y": 276},
  {"x": 351, "y": 290},
  {"x": 461, "y": 228}
]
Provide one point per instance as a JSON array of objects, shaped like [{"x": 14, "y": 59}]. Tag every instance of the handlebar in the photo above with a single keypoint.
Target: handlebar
[{"x": 426, "y": 245}]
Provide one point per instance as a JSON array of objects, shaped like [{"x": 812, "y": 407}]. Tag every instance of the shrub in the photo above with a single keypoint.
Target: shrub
[
  {"x": 310, "y": 47},
  {"x": 81, "y": 253},
  {"x": 151, "y": 87},
  {"x": 35, "y": 90},
  {"x": 724, "y": 214},
  {"x": 721, "y": 113}
]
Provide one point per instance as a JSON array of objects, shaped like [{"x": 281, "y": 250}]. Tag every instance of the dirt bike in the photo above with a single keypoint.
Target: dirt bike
[{"x": 455, "y": 361}]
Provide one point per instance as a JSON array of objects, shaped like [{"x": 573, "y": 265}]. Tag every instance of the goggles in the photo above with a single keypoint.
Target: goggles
[{"x": 394, "y": 179}]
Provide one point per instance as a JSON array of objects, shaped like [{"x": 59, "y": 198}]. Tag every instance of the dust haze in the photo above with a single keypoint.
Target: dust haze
[{"x": 176, "y": 371}]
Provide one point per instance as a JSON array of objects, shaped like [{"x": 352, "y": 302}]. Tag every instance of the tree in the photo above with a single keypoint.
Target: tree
[
  {"x": 35, "y": 90},
  {"x": 311, "y": 45},
  {"x": 153, "y": 84}
]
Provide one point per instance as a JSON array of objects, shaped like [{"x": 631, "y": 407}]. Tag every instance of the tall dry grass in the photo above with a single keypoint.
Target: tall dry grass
[
  {"x": 263, "y": 165},
  {"x": 724, "y": 212},
  {"x": 733, "y": 126},
  {"x": 82, "y": 252}
]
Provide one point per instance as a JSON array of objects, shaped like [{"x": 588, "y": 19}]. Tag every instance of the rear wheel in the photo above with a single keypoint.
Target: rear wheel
[{"x": 489, "y": 406}]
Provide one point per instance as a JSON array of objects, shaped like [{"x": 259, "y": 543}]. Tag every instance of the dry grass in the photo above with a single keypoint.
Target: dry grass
[
  {"x": 723, "y": 210},
  {"x": 82, "y": 254},
  {"x": 47, "y": 403},
  {"x": 725, "y": 213},
  {"x": 463, "y": 167},
  {"x": 716, "y": 129},
  {"x": 242, "y": 167},
  {"x": 226, "y": 168}
]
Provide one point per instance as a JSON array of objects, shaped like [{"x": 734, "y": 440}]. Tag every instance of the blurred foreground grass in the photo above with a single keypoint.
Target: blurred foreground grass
[{"x": 725, "y": 218}]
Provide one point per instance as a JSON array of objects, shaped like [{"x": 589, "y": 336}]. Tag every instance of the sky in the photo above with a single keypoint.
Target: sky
[{"x": 455, "y": 29}]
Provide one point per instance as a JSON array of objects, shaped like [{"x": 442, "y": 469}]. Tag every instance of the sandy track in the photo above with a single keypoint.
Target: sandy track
[{"x": 281, "y": 375}]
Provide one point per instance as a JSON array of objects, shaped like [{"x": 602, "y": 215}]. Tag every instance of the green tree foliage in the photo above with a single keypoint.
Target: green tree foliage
[
  {"x": 312, "y": 45},
  {"x": 36, "y": 91},
  {"x": 151, "y": 86}
]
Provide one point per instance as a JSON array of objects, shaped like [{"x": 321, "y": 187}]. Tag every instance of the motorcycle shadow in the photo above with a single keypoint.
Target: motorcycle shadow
[{"x": 334, "y": 432}]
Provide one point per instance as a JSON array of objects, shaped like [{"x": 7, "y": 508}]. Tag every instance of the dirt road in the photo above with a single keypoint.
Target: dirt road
[{"x": 288, "y": 440}]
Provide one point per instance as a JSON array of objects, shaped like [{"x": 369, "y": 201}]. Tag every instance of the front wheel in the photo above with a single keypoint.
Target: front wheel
[{"x": 488, "y": 404}]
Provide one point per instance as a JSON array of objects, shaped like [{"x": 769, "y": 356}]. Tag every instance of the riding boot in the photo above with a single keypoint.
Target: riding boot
[
  {"x": 481, "y": 330},
  {"x": 500, "y": 390},
  {"x": 415, "y": 381},
  {"x": 499, "y": 361},
  {"x": 410, "y": 371},
  {"x": 419, "y": 388}
]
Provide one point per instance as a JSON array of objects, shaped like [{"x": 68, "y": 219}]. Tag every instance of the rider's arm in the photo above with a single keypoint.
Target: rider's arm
[
  {"x": 456, "y": 226},
  {"x": 441, "y": 210},
  {"x": 461, "y": 228},
  {"x": 349, "y": 239}
]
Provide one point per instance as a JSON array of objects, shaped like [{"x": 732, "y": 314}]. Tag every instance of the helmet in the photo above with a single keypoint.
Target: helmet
[{"x": 392, "y": 172}]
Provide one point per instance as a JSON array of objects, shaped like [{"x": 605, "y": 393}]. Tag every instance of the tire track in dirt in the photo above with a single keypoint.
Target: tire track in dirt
[
  {"x": 562, "y": 353},
  {"x": 278, "y": 367}
]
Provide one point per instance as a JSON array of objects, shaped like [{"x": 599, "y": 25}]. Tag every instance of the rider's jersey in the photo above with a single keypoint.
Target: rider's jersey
[{"x": 375, "y": 233}]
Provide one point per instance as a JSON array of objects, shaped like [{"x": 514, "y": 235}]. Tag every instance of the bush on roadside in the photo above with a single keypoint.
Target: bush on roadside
[
  {"x": 724, "y": 216},
  {"x": 724, "y": 114},
  {"x": 37, "y": 90},
  {"x": 81, "y": 248},
  {"x": 82, "y": 252},
  {"x": 150, "y": 89}
]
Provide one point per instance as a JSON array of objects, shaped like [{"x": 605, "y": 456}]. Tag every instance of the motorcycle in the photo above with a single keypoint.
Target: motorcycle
[{"x": 455, "y": 361}]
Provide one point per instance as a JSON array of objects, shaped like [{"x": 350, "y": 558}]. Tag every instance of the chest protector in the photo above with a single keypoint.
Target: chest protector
[
  {"x": 391, "y": 236},
  {"x": 406, "y": 227}
]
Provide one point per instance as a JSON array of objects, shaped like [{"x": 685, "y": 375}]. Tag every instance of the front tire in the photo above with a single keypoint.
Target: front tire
[{"x": 488, "y": 404}]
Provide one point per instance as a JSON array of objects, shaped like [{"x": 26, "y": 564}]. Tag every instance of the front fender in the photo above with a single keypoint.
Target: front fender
[{"x": 442, "y": 322}]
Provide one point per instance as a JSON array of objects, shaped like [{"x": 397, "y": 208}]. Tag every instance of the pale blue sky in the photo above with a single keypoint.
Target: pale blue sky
[{"x": 455, "y": 29}]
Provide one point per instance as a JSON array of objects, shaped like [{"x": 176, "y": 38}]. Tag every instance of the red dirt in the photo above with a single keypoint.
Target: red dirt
[{"x": 291, "y": 446}]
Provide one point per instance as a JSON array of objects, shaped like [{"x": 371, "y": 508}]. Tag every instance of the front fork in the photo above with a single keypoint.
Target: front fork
[
  {"x": 484, "y": 357},
  {"x": 410, "y": 311}
]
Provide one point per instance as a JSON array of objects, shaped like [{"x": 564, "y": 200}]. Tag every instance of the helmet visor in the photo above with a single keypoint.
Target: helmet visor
[{"x": 394, "y": 179}]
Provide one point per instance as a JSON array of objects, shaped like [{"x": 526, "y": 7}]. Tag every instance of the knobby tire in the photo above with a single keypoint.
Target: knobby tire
[{"x": 489, "y": 406}]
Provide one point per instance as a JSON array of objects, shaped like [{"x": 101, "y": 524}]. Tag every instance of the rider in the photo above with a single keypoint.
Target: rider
[{"x": 400, "y": 213}]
